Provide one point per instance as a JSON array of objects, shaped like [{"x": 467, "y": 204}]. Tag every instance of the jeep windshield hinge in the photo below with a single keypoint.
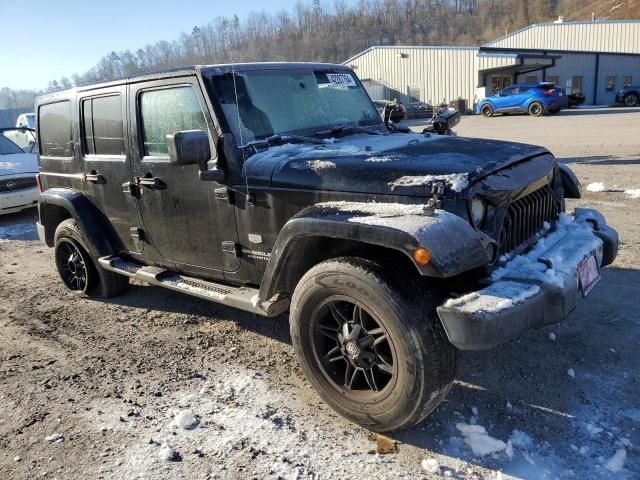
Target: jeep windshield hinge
[{"x": 130, "y": 188}]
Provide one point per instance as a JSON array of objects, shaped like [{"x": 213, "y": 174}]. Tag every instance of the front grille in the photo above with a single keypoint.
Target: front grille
[
  {"x": 13, "y": 184},
  {"x": 525, "y": 218}
]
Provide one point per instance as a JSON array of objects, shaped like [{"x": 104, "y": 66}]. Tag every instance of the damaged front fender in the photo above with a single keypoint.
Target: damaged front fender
[{"x": 454, "y": 245}]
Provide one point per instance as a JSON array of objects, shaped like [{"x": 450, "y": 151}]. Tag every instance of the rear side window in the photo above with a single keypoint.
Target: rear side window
[
  {"x": 103, "y": 126},
  {"x": 55, "y": 129},
  {"x": 167, "y": 111}
]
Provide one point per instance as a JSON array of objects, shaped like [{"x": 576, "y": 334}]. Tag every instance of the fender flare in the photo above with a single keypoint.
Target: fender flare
[
  {"x": 454, "y": 245},
  {"x": 81, "y": 210},
  {"x": 570, "y": 182}
]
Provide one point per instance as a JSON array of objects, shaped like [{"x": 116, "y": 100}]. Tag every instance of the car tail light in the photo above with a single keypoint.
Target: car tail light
[
  {"x": 38, "y": 183},
  {"x": 549, "y": 92}
]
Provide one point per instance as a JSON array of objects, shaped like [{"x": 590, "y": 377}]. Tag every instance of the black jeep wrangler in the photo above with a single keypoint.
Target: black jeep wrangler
[{"x": 275, "y": 187}]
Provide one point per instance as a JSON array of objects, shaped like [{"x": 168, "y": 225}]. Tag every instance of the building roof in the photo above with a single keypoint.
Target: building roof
[{"x": 621, "y": 36}]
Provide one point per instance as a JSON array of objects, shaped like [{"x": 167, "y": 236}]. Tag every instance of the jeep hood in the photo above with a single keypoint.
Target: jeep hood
[{"x": 396, "y": 164}]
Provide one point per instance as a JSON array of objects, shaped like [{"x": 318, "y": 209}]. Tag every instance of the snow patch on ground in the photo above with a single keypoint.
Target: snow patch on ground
[
  {"x": 457, "y": 181},
  {"x": 480, "y": 442},
  {"x": 18, "y": 231},
  {"x": 603, "y": 187},
  {"x": 616, "y": 462}
]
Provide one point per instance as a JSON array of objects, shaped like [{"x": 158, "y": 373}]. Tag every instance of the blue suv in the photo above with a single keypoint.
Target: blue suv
[{"x": 532, "y": 98}]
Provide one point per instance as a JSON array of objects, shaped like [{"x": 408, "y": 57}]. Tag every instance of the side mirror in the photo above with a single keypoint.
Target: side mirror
[{"x": 188, "y": 147}]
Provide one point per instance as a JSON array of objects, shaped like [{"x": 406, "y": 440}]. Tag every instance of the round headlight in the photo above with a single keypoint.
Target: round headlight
[{"x": 478, "y": 211}]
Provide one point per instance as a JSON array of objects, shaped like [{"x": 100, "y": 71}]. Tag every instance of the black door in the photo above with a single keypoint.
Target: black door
[
  {"x": 183, "y": 218},
  {"x": 106, "y": 163}
]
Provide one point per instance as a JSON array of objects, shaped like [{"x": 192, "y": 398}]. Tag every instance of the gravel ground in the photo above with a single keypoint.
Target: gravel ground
[{"x": 159, "y": 385}]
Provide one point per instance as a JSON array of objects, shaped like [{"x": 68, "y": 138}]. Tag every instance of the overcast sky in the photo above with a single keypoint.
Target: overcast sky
[{"x": 42, "y": 40}]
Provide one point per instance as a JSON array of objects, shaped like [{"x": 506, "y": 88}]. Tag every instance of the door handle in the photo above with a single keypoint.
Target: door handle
[
  {"x": 95, "y": 177},
  {"x": 152, "y": 183}
]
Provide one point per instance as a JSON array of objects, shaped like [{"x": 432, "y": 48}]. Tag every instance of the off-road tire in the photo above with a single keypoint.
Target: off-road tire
[
  {"x": 100, "y": 282},
  {"x": 426, "y": 361},
  {"x": 486, "y": 110},
  {"x": 536, "y": 109},
  {"x": 631, "y": 100}
]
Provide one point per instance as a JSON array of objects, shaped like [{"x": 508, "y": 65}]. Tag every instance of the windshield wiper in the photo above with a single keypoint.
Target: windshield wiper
[
  {"x": 281, "y": 139},
  {"x": 347, "y": 129}
]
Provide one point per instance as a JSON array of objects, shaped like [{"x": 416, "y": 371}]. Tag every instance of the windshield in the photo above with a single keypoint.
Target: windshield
[
  {"x": 17, "y": 140},
  {"x": 7, "y": 147},
  {"x": 31, "y": 120},
  {"x": 259, "y": 104}
]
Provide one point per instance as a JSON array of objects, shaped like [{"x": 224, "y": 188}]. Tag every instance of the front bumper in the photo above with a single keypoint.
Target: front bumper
[
  {"x": 534, "y": 289},
  {"x": 15, "y": 201}
]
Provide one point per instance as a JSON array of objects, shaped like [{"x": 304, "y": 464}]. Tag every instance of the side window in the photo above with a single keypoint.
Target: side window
[
  {"x": 103, "y": 126},
  {"x": 54, "y": 120},
  {"x": 507, "y": 91},
  {"x": 611, "y": 83},
  {"x": 523, "y": 89},
  {"x": 168, "y": 111}
]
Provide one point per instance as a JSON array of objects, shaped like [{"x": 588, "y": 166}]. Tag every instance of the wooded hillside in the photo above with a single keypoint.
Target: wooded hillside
[{"x": 318, "y": 32}]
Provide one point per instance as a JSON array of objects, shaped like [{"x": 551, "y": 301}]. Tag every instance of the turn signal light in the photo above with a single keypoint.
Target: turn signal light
[{"x": 421, "y": 255}]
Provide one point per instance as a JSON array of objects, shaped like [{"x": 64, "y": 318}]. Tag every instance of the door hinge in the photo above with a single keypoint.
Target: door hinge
[
  {"x": 136, "y": 233},
  {"x": 224, "y": 194},
  {"x": 231, "y": 247},
  {"x": 131, "y": 188}
]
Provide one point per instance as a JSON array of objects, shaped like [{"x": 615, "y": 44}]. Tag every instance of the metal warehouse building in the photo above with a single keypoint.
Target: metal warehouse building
[{"x": 595, "y": 58}]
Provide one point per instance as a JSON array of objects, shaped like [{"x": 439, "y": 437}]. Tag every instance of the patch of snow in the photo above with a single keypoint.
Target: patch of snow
[
  {"x": 633, "y": 192},
  {"x": 431, "y": 465},
  {"x": 17, "y": 458},
  {"x": 495, "y": 298},
  {"x": 457, "y": 181},
  {"x": 18, "y": 231},
  {"x": 571, "y": 372},
  {"x": 592, "y": 429},
  {"x": 508, "y": 406},
  {"x": 616, "y": 462},
  {"x": 185, "y": 419},
  {"x": 316, "y": 165},
  {"x": 55, "y": 438},
  {"x": 552, "y": 336},
  {"x": 255, "y": 300},
  {"x": 520, "y": 439},
  {"x": 379, "y": 159},
  {"x": 8, "y": 165},
  {"x": 598, "y": 187},
  {"x": 474, "y": 410},
  {"x": 168, "y": 454},
  {"x": 480, "y": 442}
]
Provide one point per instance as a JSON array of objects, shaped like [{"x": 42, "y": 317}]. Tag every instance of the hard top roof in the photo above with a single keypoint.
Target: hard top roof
[{"x": 193, "y": 69}]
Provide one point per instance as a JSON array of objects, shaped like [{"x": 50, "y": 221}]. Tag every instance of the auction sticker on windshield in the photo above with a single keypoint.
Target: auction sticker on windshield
[
  {"x": 589, "y": 274},
  {"x": 341, "y": 80}
]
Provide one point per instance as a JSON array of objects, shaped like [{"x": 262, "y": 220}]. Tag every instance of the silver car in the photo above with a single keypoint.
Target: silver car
[{"x": 18, "y": 170}]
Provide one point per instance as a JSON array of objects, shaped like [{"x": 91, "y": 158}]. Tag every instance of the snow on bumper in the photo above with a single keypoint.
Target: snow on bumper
[{"x": 533, "y": 289}]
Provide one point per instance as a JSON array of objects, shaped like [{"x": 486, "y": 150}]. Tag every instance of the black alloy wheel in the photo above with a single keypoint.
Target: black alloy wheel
[
  {"x": 72, "y": 265},
  {"x": 631, "y": 100},
  {"x": 353, "y": 349}
]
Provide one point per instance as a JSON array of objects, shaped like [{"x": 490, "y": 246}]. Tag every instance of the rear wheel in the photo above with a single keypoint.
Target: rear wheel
[
  {"x": 372, "y": 347},
  {"x": 631, "y": 100},
  {"x": 536, "y": 109},
  {"x": 78, "y": 270},
  {"x": 486, "y": 110}
]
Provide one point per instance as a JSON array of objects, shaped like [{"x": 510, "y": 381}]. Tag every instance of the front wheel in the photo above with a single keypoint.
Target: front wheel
[
  {"x": 631, "y": 100},
  {"x": 372, "y": 347},
  {"x": 536, "y": 109},
  {"x": 486, "y": 110}
]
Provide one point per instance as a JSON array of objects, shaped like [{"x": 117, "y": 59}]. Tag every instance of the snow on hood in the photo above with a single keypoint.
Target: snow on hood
[
  {"x": 15, "y": 163},
  {"x": 393, "y": 164}
]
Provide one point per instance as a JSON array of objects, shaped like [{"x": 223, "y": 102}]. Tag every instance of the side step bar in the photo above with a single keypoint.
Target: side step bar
[{"x": 243, "y": 298}]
